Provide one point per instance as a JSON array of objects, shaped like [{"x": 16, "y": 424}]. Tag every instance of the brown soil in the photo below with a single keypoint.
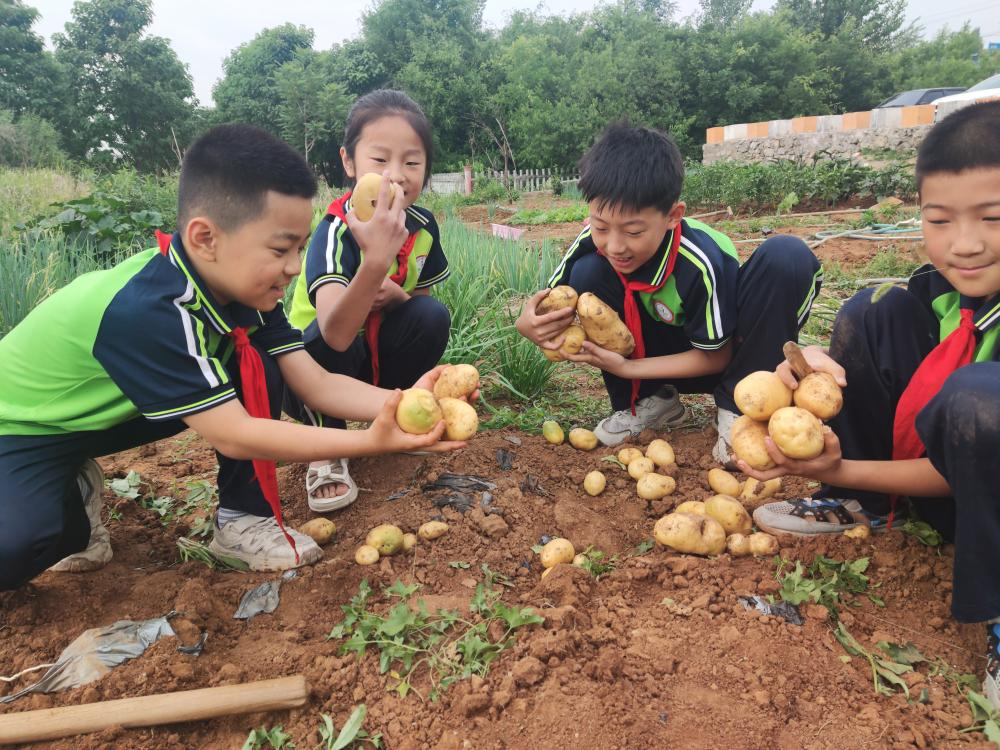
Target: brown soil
[{"x": 613, "y": 666}]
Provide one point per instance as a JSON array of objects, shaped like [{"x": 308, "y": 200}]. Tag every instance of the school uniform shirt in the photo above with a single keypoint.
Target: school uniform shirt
[
  {"x": 145, "y": 338},
  {"x": 944, "y": 302},
  {"x": 700, "y": 294},
  {"x": 334, "y": 256}
]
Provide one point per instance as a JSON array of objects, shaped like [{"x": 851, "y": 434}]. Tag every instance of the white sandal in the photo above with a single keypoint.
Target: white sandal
[{"x": 324, "y": 476}]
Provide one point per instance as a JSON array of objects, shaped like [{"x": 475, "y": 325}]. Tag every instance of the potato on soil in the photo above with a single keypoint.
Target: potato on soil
[
  {"x": 723, "y": 482},
  {"x": 654, "y": 486},
  {"x": 763, "y": 544},
  {"x": 418, "y": 411},
  {"x": 738, "y": 545},
  {"x": 660, "y": 453},
  {"x": 691, "y": 533},
  {"x": 760, "y": 394},
  {"x": 321, "y": 530},
  {"x": 628, "y": 455},
  {"x": 581, "y": 439},
  {"x": 387, "y": 539},
  {"x": 691, "y": 506},
  {"x": 572, "y": 344},
  {"x": 456, "y": 381},
  {"x": 747, "y": 439},
  {"x": 366, "y": 555},
  {"x": 729, "y": 512},
  {"x": 603, "y": 326},
  {"x": 819, "y": 393},
  {"x": 796, "y": 432},
  {"x": 557, "y": 551},
  {"x": 552, "y": 432},
  {"x": 432, "y": 530},
  {"x": 594, "y": 483},
  {"x": 754, "y": 489},
  {"x": 460, "y": 418},
  {"x": 365, "y": 195},
  {"x": 640, "y": 467},
  {"x": 409, "y": 542},
  {"x": 558, "y": 297},
  {"x": 861, "y": 531}
]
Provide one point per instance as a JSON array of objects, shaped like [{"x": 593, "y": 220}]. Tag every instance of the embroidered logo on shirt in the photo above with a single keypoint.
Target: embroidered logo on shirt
[
  {"x": 420, "y": 263},
  {"x": 663, "y": 312}
]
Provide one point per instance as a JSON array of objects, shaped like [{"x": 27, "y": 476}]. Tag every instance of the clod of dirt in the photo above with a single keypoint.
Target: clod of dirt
[
  {"x": 491, "y": 525},
  {"x": 528, "y": 671},
  {"x": 584, "y": 527}
]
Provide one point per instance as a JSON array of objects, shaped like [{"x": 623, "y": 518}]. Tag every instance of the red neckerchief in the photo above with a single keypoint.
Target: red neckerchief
[
  {"x": 632, "y": 320},
  {"x": 254, "y": 387},
  {"x": 954, "y": 352},
  {"x": 374, "y": 321}
]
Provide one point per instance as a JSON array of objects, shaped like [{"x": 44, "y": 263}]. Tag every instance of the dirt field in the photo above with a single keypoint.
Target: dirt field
[{"x": 659, "y": 653}]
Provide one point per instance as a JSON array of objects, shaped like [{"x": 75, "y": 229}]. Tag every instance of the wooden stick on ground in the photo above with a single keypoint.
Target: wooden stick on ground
[{"x": 151, "y": 710}]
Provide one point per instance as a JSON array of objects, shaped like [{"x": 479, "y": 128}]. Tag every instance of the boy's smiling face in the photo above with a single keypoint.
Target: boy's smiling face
[
  {"x": 629, "y": 237},
  {"x": 960, "y": 216}
]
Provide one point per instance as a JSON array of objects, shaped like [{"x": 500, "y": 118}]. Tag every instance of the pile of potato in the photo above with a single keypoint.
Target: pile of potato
[
  {"x": 597, "y": 323},
  {"x": 420, "y": 410},
  {"x": 388, "y": 539},
  {"x": 712, "y": 527},
  {"x": 797, "y": 431}
]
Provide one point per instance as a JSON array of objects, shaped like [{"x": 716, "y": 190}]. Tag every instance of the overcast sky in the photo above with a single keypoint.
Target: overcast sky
[{"x": 204, "y": 32}]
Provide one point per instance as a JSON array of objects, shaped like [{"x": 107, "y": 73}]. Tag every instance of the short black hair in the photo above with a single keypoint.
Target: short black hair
[
  {"x": 632, "y": 168},
  {"x": 384, "y": 103},
  {"x": 968, "y": 138},
  {"x": 227, "y": 172}
]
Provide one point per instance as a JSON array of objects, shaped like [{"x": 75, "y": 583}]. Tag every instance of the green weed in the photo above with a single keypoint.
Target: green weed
[
  {"x": 276, "y": 738},
  {"x": 887, "y": 670},
  {"x": 824, "y": 582},
  {"x": 985, "y": 718},
  {"x": 351, "y": 735}
]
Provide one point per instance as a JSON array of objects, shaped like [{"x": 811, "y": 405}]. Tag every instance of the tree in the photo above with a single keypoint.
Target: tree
[
  {"x": 30, "y": 79},
  {"x": 951, "y": 58},
  {"x": 131, "y": 93},
  {"x": 877, "y": 24}
]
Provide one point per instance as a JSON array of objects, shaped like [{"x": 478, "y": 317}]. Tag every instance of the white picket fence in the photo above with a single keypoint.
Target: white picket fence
[{"x": 523, "y": 180}]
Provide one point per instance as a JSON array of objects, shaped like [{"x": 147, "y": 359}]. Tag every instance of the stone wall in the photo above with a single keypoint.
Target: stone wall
[{"x": 804, "y": 146}]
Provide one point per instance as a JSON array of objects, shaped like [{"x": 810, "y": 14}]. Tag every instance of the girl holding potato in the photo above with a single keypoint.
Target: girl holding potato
[{"x": 369, "y": 267}]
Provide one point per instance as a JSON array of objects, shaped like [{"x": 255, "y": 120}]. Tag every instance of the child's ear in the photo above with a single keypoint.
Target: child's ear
[
  {"x": 676, "y": 213},
  {"x": 201, "y": 238},
  {"x": 348, "y": 163}
]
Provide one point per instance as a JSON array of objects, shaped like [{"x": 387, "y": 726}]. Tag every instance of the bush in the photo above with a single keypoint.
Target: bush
[{"x": 29, "y": 142}]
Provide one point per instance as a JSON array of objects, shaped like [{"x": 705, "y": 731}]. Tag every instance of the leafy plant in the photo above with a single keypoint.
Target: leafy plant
[
  {"x": 597, "y": 563},
  {"x": 985, "y": 718},
  {"x": 276, "y": 738},
  {"x": 351, "y": 735},
  {"x": 191, "y": 550},
  {"x": 824, "y": 581},
  {"x": 887, "y": 670},
  {"x": 923, "y": 532}
]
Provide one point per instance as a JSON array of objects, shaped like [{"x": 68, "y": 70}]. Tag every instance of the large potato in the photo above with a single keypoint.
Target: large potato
[
  {"x": 418, "y": 411},
  {"x": 756, "y": 490},
  {"x": 552, "y": 432},
  {"x": 572, "y": 344},
  {"x": 653, "y": 486},
  {"x": 691, "y": 506},
  {"x": 461, "y": 420},
  {"x": 729, "y": 512},
  {"x": 747, "y": 439},
  {"x": 432, "y": 530},
  {"x": 320, "y": 529},
  {"x": 366, "y": 555},
  {"x": 763, "y": 544},
  {"x": 557, "y": 551},
  {"x": 640, "y": 467},
  {"x": 365, "y": 195},
  {"x": 409, "y": 542},
  {"x": 594, "y": 483},
  {"x": 723, "y": 482},
  {"x": 558, "y": 298},
  {"x": 819, "y": 393},
  {"x": 581, "y": 439},
  {"x": 687, "y": 532},
  {"x": 603, "y": 326},
  {"x": 660, "y": 453},
  {"x": 628, "y": 455},
  {"x": 456, "y": 381},
  {"x": 796, "y": 432},
  {"x": 387, "y": 539},
  {"x": 760, "y": 394}
]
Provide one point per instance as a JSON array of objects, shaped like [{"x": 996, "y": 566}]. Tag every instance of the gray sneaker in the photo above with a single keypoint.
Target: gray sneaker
[
  {"x": 812, "y": 516},
  {"x": 991, "y": 685},
  {"x": 661, "y": 411},
  {"x": 98, "y": 552},
  {"x": 258, "y": 541}
]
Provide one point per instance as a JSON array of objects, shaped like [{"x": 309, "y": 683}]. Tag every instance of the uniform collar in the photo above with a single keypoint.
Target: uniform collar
[
  {"x": 652, "y": 271},
  {"x": 224, "y": 318},
  {"x": 986, "y": 311}
]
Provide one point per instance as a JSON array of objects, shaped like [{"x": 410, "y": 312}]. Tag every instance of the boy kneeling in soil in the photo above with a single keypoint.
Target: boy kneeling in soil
[
  {"x": 921, "y": 415},
  {"x": 188, "y": 335},
  {"x": 700, "y": 320}
]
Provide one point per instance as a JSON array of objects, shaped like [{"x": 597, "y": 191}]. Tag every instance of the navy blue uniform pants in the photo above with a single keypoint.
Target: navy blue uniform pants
[
  {"x": 776, "y": 287},
  {"x": 412, "y": 338},
  {"x": 42, "y": 518},
  {"x": 881, "y": 341}
]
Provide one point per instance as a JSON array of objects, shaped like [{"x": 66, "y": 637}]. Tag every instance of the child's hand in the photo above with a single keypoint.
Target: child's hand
[
  {"x": 381, "y": 236},
  {"x": 820, "y": 468},
  {"x": 389, "y": 295},
  {"x": 429, "y": 378},
  {"x": 817, "y": 358},
  {"x": 602, "y": 359},
  {"x": 386, "y": 436},
  {"x": 543, "y": 329}
]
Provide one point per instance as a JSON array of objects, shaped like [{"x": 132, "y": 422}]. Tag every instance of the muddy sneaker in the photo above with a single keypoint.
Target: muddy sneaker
[
  {"x": 991, "y": 685},
  {"x": 723, "y": 450},
  {"x": 810, "y": 516},
  {"x": 663, "y": 410},
  {"x": 258, "y": 541},
  {"x": 98, "y": 552}
]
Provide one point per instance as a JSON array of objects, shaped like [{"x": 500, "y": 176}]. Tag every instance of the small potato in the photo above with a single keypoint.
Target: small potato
[
  {"x": 594, "y": 483},
  {"x": 552, "y": 432},
  {"x": 320, "y": 529},
  {"x": 755, "y": 490},
  {"x": 660, "y": 453},
  {"x": 738, "y": 545},
  {"x": 558, "y": 298},
  {"x": 640, "y": 467},
  {"x": 387, "y": 539},
  {"x": 366, "y": 555},
  {"x": 578, "y": 560},
  {"x": 603, "y": 326},
  {"x": 418, "y": 411},
  {"x": 729, "y": 512},
  {"x": 581, "y": 439},
  {"x": 722, "y": 482},
  {"x": 861, "y": 531},
  {"x": 760, "y": 394},
  {"x": 796, "y": 432},
  {"x": 819, "y": 394},
  {"x": 456, "y": 381},
  {"x": 691, "y": 506},
  {"x": 432, "y": 530},
  {"x": 557, "y": 551},
  {"x": 628, "y": 455},
  {"x": 409, "y": 542},
  {"x": 572, "y": 344},
  {"x": 763, "y": 544},
  {"x": 365, "y": 195},
  {"x": 654, "y": 486},
  {"x": 687, "y": 532},
  {"x": 460, "y": 418},
  {"x": 748, "y": 443}
]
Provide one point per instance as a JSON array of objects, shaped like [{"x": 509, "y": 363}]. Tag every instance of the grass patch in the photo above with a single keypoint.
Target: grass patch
[{"x": 25, "y": 193}]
